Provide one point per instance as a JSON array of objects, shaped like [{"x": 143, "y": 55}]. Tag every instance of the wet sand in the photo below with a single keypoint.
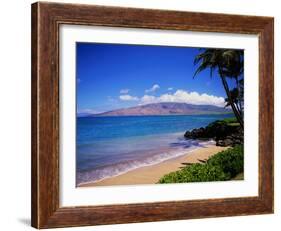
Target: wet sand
[{"x": 152, "y": 174}]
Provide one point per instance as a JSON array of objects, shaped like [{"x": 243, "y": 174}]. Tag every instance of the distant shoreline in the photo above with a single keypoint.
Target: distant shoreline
[
  {"x": 98, "y": 115},
  {"x": 151, "y": 174},
  {"x": 163, "y": 108}
]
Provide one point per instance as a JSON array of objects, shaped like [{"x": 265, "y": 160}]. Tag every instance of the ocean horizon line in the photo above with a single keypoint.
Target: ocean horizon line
[{"x": 205, "y": 114}]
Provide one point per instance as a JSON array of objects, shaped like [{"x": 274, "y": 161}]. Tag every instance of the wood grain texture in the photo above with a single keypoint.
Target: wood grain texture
[{"x": 46, "y": 19}]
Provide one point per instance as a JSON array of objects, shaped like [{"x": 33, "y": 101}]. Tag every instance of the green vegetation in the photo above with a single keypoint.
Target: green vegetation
[
  {"x": 231, "y": 160},
  {"x": 227, "y": 122},
  {"x": 230, "y": 120},
  {"x": 223, "y": 166}
]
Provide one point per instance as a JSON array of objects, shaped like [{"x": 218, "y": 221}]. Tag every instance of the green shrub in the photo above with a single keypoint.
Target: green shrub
[
  {"x": 224, "y": 122},
  {"x": 220, "y": 167},
  {"x": 196, "y": 173},
  {"x": 230, "y": 120},
  {"x": 230, "y": 160}
]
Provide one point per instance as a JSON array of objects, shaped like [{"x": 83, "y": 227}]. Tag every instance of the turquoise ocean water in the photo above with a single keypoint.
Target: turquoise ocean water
[{"x": 109, "y": 146}]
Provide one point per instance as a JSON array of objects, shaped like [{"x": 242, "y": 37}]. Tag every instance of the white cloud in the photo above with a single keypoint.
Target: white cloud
[
  {"x": 128, "y": 98},
  {"x": 124, "y": 91},
  {"x": 88, "y": 111},
  {"x": 148, "y": 99},
  {"x": 170, "y": 89},
  {"x": 153, "y": 88},
  {"x": 181, "y": 96}
]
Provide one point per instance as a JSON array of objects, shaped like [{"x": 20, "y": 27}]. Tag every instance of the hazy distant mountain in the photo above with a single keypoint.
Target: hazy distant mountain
[{"x": 167, "y": 109}]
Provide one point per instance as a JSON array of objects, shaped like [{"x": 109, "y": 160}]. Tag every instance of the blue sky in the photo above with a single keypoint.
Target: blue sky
[{"x": 112, "y": 76}]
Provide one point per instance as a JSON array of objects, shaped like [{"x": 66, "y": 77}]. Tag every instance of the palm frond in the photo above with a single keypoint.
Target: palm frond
[{"x": 202, "y": 67}]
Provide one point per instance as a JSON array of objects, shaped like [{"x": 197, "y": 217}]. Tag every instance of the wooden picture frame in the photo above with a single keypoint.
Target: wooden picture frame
[{"x": 46, "y": 19}]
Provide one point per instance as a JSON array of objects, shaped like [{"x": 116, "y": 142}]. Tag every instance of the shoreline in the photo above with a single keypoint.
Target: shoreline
[
  {"x": 152, "y": 173},
  {"x": 205, "y": 114}
]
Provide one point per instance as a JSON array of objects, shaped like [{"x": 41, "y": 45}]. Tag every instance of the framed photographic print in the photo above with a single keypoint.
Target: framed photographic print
[{"x": 148, "y": 115}]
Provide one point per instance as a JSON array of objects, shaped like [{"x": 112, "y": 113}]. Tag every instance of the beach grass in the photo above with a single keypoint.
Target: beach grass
[
  {"x": 224, "y": 165},
  {"x": 231, "y": 121}
]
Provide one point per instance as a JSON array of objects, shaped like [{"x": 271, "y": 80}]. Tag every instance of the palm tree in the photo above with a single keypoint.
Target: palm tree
[
  {"x": 228, "y": 63},
  {"x": 233, "y": 67},
  {"x": 234, "y": 97}
]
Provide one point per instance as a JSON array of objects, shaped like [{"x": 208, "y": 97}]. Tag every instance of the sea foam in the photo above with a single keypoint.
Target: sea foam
[{"x": 178, "y": 149}]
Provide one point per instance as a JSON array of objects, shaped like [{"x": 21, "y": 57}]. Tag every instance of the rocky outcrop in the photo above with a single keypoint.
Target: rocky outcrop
[
  {"x": 225, "y": 134},
  {"x": 231, "y": 140}
]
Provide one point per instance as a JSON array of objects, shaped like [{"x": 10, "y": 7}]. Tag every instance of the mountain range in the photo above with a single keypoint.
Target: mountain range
[{"x": 165, "y": 109}]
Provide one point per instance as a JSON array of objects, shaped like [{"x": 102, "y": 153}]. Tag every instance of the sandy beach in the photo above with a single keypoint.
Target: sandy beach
[{"x": 151, "y": 174}]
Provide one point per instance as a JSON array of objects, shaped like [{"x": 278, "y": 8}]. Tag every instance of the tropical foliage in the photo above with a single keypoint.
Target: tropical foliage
[
  {"x": 225, "y": 165},
  {"x": 229, "y": 64}
]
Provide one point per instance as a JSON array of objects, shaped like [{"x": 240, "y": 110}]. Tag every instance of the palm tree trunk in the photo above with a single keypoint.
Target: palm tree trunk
[
  {"x": 239, "y": 99},
  {"x": 234, "y": 109}
]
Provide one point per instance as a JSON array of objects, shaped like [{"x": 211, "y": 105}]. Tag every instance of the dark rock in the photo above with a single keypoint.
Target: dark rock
[
  {"x": 224, "y": 143},
  {"x": 223, "y": 133}
]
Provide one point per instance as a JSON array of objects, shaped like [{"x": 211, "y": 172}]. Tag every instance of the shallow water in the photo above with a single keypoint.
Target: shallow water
[{"x": 110, "y": 146}]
